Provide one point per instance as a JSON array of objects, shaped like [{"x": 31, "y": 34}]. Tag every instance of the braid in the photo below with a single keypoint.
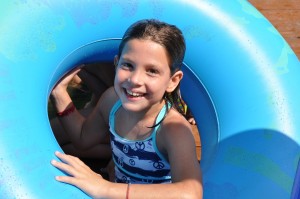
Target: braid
[{"x": 176, "y": 101}]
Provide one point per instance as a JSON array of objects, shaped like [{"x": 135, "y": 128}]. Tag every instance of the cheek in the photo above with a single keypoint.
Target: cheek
[
  {"x": 158, "y": 86},
  {"x": 118, "y": 82},
  {"x": 119, "y": 77}
]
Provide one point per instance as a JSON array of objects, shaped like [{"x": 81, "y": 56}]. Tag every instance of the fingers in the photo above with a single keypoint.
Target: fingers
[
  {"x": 75, "y": 70},
  {"x": 70, "y": 164},
  {"x": 71, "y": 160},
  {"x": 66, "y": 179},
  {"x": 67, "y": 169},
  {"x": 79, "y": 174},
  {"x": 65, "y": 80},
  {"x": 64, "y": 165}
]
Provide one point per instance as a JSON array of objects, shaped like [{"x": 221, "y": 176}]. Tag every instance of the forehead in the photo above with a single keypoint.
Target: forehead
[{"x": 145, "y": 50}]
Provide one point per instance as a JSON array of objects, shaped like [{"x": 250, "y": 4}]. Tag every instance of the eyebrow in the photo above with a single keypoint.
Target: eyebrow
[{"x": 124, "y": 58}]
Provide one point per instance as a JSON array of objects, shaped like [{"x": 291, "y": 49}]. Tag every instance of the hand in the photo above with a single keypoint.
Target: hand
[
  {"x": 80, "y": 175},
  {"x": 64, "y": 82}
]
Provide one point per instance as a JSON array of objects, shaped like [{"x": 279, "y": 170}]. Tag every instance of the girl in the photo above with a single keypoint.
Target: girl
[{"x": 152, "y": 144}]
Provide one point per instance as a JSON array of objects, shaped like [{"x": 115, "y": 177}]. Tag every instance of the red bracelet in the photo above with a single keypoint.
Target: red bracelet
[
  {"x": 127, "y": 191},
  {"x": 67, "y": 111}
]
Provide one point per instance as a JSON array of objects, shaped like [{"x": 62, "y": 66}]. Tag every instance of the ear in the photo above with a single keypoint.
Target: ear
[
  {"x": 174, "y": 81},
  {"x": 116, "y": 60}
]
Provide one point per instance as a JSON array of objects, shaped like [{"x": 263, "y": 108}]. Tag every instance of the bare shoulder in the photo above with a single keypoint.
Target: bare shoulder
[
  {"x": 176, "y": 141},
  {"x": 175, "y": 130},
  {"x": 175, "y": 124}
]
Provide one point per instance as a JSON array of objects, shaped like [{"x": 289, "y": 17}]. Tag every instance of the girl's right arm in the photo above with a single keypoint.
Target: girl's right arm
[{"x": 84, "y": 133}]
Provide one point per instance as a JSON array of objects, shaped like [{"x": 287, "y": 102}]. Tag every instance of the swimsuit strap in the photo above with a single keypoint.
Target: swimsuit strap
[{"x": 159, "y": 117}]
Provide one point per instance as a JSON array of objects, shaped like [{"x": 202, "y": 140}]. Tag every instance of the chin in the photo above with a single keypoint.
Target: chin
[{"x": 132, "y": 107}]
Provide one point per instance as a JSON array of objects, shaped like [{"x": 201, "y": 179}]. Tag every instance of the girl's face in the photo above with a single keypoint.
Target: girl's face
[{"x": 143, "y": 75}]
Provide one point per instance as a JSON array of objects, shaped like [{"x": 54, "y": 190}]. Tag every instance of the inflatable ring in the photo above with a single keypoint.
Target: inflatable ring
[{"x": 240, "y": 81}]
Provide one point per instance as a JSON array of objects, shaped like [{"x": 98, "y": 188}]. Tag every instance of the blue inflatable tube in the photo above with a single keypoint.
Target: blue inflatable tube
[{"x": 241, "y": 82}]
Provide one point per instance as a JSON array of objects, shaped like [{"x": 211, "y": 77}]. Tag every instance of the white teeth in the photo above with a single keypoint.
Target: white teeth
[{"x": 133, "y": 94}]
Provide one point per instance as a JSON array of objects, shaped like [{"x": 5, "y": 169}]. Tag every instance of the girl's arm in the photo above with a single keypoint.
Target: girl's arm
[
  {"x": 84, "y": 133},
  {"x": 176, "y": 140},
  {"x": 95, "y": 186}
]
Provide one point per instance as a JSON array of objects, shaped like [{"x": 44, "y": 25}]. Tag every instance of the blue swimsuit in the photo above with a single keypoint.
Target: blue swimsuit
[{"x": 138, "y": 161}]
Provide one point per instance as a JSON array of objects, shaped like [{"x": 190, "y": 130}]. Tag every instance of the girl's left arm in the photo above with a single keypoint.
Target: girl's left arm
[{"x": 178, "y": 143}]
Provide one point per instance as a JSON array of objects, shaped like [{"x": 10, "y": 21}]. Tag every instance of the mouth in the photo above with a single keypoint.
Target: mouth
[{"x": 133, "y": 94}]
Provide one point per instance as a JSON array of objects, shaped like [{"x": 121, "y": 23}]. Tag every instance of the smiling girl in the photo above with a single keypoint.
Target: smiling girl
[{"x": 152, "y": 143}]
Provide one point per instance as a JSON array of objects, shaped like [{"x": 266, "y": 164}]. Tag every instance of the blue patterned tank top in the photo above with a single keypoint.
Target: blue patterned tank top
[{"x": 138, "y": 161}]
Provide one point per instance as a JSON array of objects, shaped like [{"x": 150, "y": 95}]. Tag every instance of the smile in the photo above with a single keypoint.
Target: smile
[{"x": 133, "y": 94}]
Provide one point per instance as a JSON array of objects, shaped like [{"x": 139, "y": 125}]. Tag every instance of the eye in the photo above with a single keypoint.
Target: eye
[
  {"x": 126, "y": 66},
  {"x": 152, "y": 71}
]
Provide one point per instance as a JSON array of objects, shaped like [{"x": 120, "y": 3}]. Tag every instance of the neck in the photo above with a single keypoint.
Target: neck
[{"x": 138, "y": 125}]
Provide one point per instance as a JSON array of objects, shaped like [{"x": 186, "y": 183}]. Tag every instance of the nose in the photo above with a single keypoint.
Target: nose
[{"x": 136, "y": 78}]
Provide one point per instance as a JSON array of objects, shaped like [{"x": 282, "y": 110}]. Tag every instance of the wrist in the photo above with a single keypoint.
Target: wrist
[
  {"x": 114, "y": 190},
  {"x": 104, "y": 191},
  {"x": 69, "y": 109},
  {"x": 61, "y": 100},
  {"x": 58, "y": 91}
]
